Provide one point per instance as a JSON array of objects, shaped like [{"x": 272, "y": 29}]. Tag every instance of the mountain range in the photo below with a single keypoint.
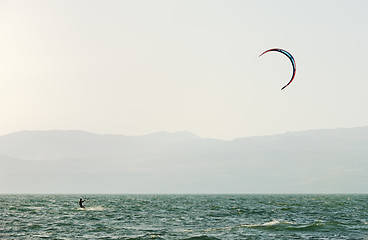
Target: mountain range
[{"x": 314, "y": 161}]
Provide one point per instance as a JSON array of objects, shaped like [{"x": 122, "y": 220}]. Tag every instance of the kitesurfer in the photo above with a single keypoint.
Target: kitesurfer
[{"x": 81, "y": 203}]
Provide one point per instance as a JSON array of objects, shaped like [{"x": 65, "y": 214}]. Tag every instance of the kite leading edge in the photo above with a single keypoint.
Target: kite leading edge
[{"x": 286, "y": 53}]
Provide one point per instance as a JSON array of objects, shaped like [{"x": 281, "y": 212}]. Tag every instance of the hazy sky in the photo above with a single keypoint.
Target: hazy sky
[{"x": 137, "y": 67}]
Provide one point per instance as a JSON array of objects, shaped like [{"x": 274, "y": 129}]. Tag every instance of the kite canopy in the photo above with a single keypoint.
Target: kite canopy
[{"x": 286, "y": 53}]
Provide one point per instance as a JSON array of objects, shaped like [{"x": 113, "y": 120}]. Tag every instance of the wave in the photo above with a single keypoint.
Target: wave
[
  {"x": 268, "y": 224},
  {"x": 284, "y": 225},
  {"x": 293, "y": 226},
  {"x": 95, "y": 208},
  {"x": 257, "y": 225},
  {"x": 92, "y": 208},
  {"x": 35, "y": 208},
  {"x": 203, "y": 237}
]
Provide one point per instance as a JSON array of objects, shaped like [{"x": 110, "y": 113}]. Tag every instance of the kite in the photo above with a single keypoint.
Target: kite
[{"x": 286, "y": 53}]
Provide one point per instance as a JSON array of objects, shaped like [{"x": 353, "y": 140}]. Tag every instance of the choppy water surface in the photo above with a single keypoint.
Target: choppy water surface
[{"x": 184, "y": 217}]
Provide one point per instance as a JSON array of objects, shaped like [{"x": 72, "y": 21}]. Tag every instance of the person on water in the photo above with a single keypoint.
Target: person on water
[{"x": 81, "y": 203}]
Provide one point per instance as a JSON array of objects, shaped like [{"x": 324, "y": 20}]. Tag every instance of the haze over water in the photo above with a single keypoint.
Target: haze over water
[{"x": 184, "y": 217}]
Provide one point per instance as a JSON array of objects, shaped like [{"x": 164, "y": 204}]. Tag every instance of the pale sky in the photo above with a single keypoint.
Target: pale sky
[{"x": 138, "y": 67}]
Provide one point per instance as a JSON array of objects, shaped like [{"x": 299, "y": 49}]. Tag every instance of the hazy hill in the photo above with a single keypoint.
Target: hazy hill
[
  {"x": 82, "y": 162},
  {"x": 52, "y": 145}
]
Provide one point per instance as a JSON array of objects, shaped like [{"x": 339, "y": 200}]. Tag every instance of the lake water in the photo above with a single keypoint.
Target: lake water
[{"x": 184, "y": 217}]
